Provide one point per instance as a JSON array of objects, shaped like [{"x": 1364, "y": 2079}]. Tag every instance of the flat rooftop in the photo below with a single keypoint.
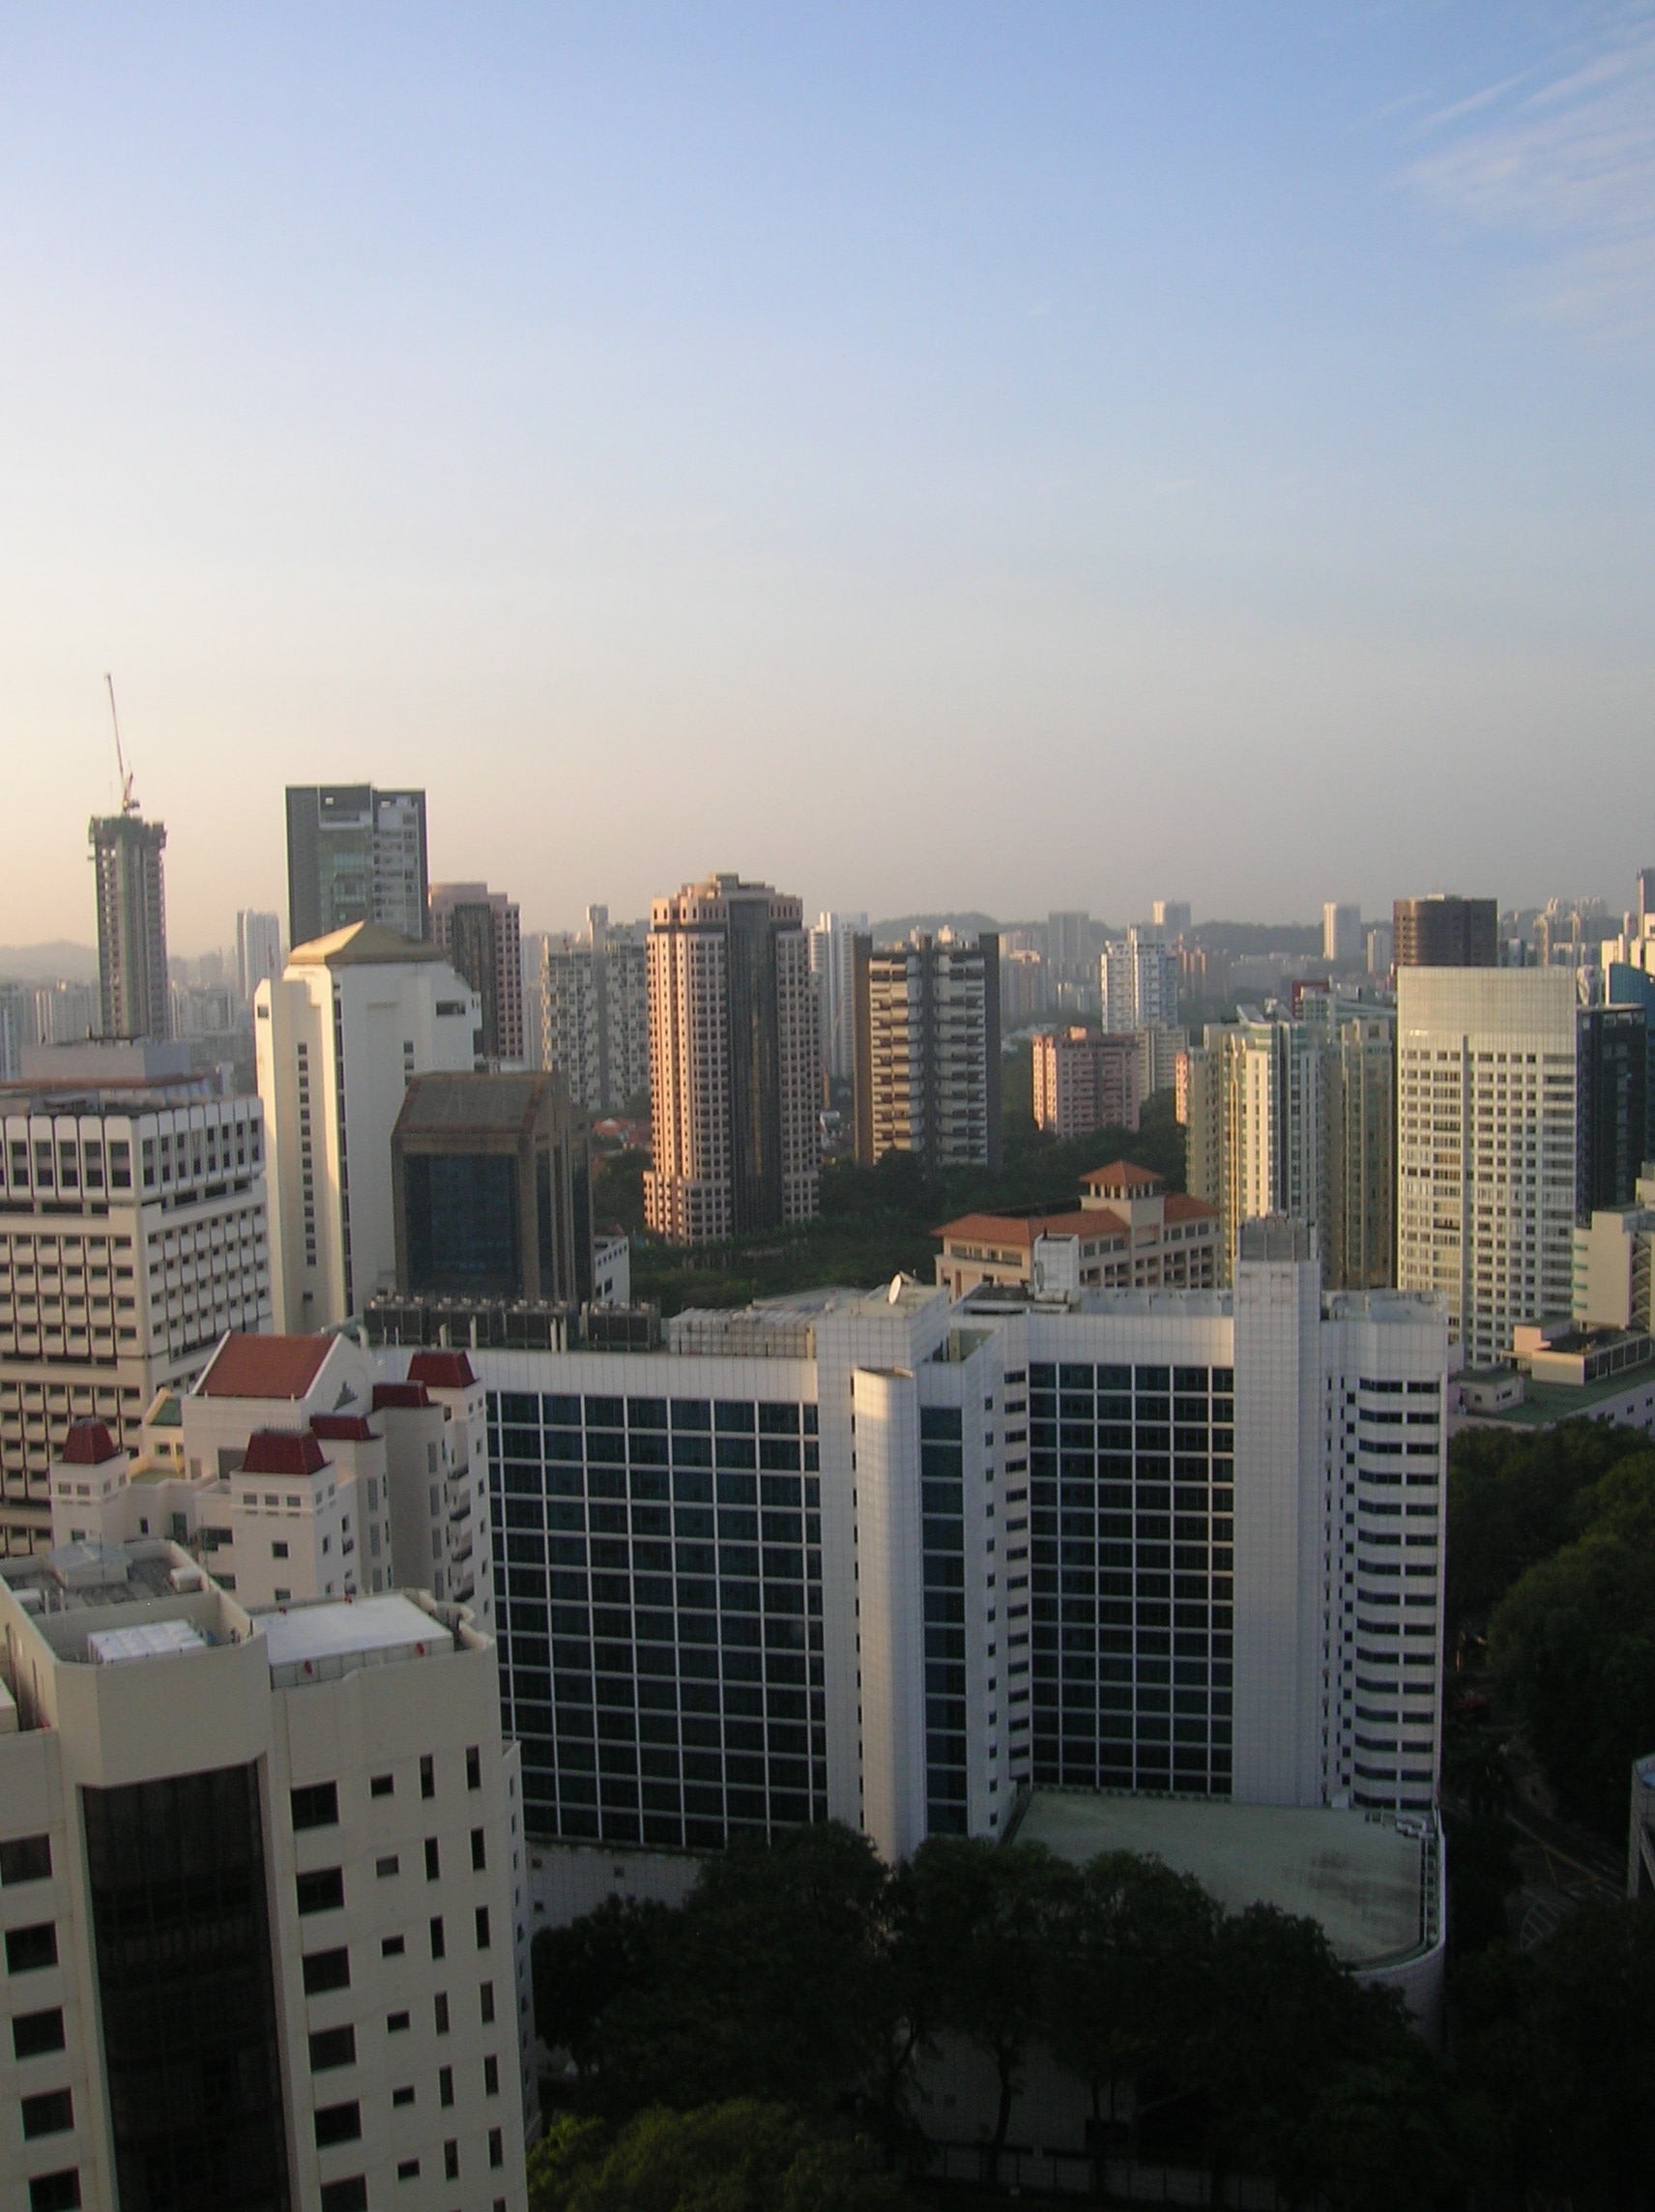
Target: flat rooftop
[
  {"x": 1545, "y": 1404},
  {"x": 311, "y": 1642},
  {"x": 1356, "y": 1875}
]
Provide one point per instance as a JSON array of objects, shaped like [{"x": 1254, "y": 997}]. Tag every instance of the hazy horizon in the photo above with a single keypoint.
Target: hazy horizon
[{"x": 955, "y": 459}]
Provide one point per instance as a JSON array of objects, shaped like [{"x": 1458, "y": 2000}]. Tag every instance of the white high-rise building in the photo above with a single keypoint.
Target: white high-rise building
[
  {"x": 355, "y": 1017},
  {"x": 832, "y": 967},
  {"x": 258, "y": 950},
  {"x": 592, "y": 997},
  {"x": 1341, "y": 932},
  {"x": 133, "y": 1236},
  {"x": 1485, "y": 1156},
  {"x": 263, "y": 1882},
  {"x": 1139, "y": 977}
]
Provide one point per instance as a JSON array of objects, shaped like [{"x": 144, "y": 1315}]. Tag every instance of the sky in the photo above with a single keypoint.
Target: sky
[{"x": 933, "y": 456}]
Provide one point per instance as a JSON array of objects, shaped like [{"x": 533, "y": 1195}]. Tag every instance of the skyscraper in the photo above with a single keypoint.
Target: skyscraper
[
  {"x": 831, "y": 961},
  {"x": 258, "y": 950},
  {"x": 732, "y": 1063},
  {"x": 1611, "y": 1081},
  {"x": 1341, "y": 932},
  {"x": 135, "y": 994},
  {"x": 480, "y": 930},
  {"x": 592, "y": 1013},
  {"x": 927, "y": 1026},
  {"x": 355, "y": 854},
  {"x": 1444, "y": 931},
  {"x": 1139, "y": 977},
  {"x": 1486, "y": 1145}
]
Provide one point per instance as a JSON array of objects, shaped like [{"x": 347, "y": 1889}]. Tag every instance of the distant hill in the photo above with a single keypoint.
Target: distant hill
[
  {"x": 1255, "y": 938},
  {"x": 58, "y": 962},
  {"x": 903, "y": 925}
]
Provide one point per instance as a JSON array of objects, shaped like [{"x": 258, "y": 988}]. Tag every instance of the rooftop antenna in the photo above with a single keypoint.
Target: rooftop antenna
[{"x": 129, "y": 803}]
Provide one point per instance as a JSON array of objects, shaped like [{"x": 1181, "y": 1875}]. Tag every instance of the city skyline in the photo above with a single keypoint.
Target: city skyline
[{"x": 848, "y": 405}]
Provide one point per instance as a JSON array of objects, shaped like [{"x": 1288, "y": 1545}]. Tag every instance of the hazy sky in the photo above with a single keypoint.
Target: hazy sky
[{"x": 1012, "y": 456}]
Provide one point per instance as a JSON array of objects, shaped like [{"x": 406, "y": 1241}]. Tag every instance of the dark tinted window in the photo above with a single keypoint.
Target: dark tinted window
[
  {"x": 55, "y": 2191},
  {"x": 337, "y": 2124},
  {"x": 333, "y": 2047},
  {"x": 346, "y": 2195},
  {"x": 33, "y": 2032},
  {"x": 50, "y": 2114},
  {"x": 317, "y": 1806},
  {"x": 29, "y": 1949},
  {"x": 322, "y": 1891},
  {"x": 327, "y": 1970},
  {"x": 25, "y": 1858}
]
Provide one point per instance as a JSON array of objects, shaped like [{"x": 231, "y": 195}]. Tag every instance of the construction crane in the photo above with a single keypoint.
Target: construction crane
[{"x": 128, "y": 801}]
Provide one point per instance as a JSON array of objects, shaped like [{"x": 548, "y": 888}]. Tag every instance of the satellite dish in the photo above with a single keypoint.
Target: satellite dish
[{"x": 894, "y": 1295}]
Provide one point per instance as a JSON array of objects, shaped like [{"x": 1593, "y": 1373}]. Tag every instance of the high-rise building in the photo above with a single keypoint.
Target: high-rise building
[
  {"x": 928, "y": 1051},
  {"x": 1171, "y": 918},
  {"x": 1069, "y": 954},
  {"x": 1139, "y": 977},
  {"x": 480, "y": 930},
  {"x": 1611, "y": 1106},
  {"x": 1295, "y": 1118},
  {"x": 593, "y": 995},
  {"x": 1085, "y": 1081},
  {"x": 16, "y": 1028},
  {"x": 1340, "y": 933},
  {"x": 355, "y": 854},
  {"x": 1444, "y": 931},
  {"x": 1381, "y": 947},
  {"x": 355, "y": 1017},
  {"x": 831, "y": 965},
  {"x": 1486, "y": 1145},
  {"x": 132, "y": 1234},
  {"x": 258, "y": 951},
  {"x": 491, "y": 1190},
  {"x": 262, "y": 1893},
  {"x": 66, "y": 1013},
  {"x": 916, "y": 1672},
  {"x": 732, "y": 1063},
  {"x": 134, "y": 997}
]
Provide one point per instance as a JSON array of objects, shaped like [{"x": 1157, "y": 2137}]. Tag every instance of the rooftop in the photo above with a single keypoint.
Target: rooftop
[
  {"x": 264, "y": 1367},
  {"x": 363, "y": 944},
  {"x": 1123, "y": 1175},
  {"x": 1361, "y": 1879},
  {"x": 458, "y": 1105},
  {"x": 318, "y": 1643}
]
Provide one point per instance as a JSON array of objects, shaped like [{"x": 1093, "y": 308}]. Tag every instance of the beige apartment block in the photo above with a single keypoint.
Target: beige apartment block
[
  {"x": 733, "y": 1068},
  {"x": 927, "y": 1050},
  {"x": 1086, "y": 1080},
  {"x": 1127, "y": 1234},
  {"x": 262, "y": 1885}
]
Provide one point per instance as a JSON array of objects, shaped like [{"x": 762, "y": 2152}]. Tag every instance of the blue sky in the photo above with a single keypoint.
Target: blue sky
[{"x": 1016, "y": 456}]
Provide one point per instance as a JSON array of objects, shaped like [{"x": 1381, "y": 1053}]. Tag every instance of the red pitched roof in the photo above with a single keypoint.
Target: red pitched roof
[
  {"x": 283, "y": 1451},
  {"x": 1182, "y": 1209},
  {"x": 342, "y": 1428},
  {"x": 442, "y": 1370},
  {"x": 264, "y": 1366},
  {"x": 89, "y": 1443},
  {"x": 399, "y": 1394},
  {"x": 1123, "y": 1175}
]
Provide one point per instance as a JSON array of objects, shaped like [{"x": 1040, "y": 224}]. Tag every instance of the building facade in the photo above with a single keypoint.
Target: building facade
[
  {"x": 1127, "y": 1234},
  {"x": 1340, "y": 933},
  {"x": 1444, "y": 931},
  {"x": 893, "y": 1559},
  {"x": 593, "y": 1011},
  {"x": 734, "y": 1077},
  {"x": 1085, "y": 1080},
  {"x": 480, "y": 932},
  {"x": 1138, "y": 975},
  {"x": 355, "y": 854},
  {"x": 1486, "y": 1147},
  {"x": 263, "y": 1885},
  {"x": 354, "y": 1019},
  {"x": 133, "y": 1236},
  {"x": 832, "y": 966},
  {"x": 927, "y": 1035},
  {"x": 1611, "y": 1106},
  {"x": 258, "y": 951},
  {"x": 133, "y": 992}
]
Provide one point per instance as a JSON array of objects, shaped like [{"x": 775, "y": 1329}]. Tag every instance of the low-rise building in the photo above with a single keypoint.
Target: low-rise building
[{"x": 1127, "y": 1234}]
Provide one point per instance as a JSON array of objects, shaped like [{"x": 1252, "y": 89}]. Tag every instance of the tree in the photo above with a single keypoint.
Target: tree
[
  {"x": 986, "y": 1918},
  {"x": 740, "y": 2156},
  {"x": 580, "y": 1971},
  {"x": 1572, "y": 1646}
]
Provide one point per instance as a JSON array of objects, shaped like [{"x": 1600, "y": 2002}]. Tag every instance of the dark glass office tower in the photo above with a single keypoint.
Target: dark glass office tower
[
  {"x": 355, "y": 854},
  {"x": 1610, "y": 1107}
]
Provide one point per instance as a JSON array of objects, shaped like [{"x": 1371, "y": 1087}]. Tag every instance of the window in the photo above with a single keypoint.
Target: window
[
  {"x": 408, "y": 2169},
  {"x": 34, "y": 2032},
  {"x": 440, "y": 2005},
  {"x": 322, "y": 1891},
  {"x": 337, "y": 2124},
  {"x": 478, "y": 1855},
  {"x": 26, "y": 1858},
  {"x": 438, "y": 1947},
  {"x": 346, "y": 2195},
  {"x": 327, "y": 1970},
  {"x": 396, "y": 2023},
  {"x": 386, "y": 1866},
  {"x": 428, "y": 1775},
  {"x": 491, "y": 2076},
  {"x": 496, "y": 2147},
  {"x": 391, "y": 1947},
  {"x": 404, "y": 2095},
  {"x": 473, "y": 1768},
  {"x": 450, "y": 2161},
  {"x": 382, "y": 1786},
  {"x": 482, "y": 1928},
  {"x": 332, "y": 2046},
  {"x": 279, "y": 1550},
  {"x": 49, "y": 2114},
  {"x": 432, "y": 1867},
  {"x": 486, "y": 1993},
  {"x": 445, "y": 2085},
  {"x": 55, "y": 2191},
  {"x": 30, "y": 1949}
]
